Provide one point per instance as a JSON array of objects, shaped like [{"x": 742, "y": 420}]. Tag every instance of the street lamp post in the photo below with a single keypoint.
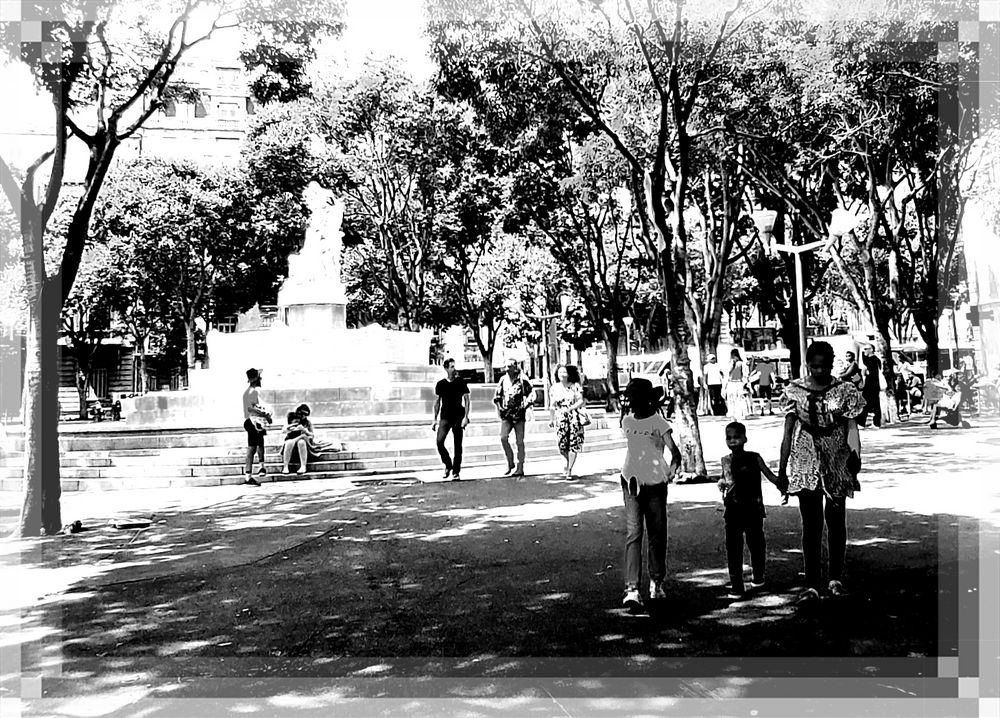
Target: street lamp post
[
  {"x": 764, "y": 220},
  {"x": 544, "y": 318},
  {"x": 627, "y": 321}
]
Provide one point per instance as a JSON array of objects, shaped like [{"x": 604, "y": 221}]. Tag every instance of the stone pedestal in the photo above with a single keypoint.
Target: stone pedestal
[{"x": 319, "y": 317}]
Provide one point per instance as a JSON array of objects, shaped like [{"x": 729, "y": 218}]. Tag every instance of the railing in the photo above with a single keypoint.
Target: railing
[{"x": 269, "y": 315}]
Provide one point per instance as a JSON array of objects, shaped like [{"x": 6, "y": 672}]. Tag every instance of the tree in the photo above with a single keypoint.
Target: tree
[
  {"x": 658, "y": 65},
  {"x": 113, "y": 64},
  {"x": 184, "y": 236},
  {"x": 562, "y": 187},
  {"x": 88, "y": 313},
  {"x": 394, "y": 151}
]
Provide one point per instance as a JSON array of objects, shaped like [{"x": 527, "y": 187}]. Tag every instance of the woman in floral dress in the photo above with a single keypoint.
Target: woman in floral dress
[
  {"x": 565, "y": 406},
  {"x": 820, "y": 460}
]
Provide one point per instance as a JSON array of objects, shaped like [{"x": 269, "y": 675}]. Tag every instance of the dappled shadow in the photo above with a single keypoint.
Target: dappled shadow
[{"x": 484, "y": 579}]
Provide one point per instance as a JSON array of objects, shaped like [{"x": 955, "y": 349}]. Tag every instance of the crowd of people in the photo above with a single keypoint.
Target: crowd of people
[{"x": 819, "y": 457}]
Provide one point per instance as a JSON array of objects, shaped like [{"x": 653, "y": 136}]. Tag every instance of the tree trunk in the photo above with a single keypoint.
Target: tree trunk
[
  {"x": 487, "y": 365},
  {"x": 40, "y": 511},
  {"x": 142, "y": 366},
  {"x": 189, "y": 327},
  {"x": 682, "y": 380},
  {"x": 929, "y": 333},
  {"x": 611, "y": 347},
  {"x": 789, "y": 333},
  {"x": 82, "y": 383}
]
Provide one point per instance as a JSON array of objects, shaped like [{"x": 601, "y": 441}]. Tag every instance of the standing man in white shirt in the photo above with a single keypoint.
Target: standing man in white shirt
[{"x": 713, "y": 380}]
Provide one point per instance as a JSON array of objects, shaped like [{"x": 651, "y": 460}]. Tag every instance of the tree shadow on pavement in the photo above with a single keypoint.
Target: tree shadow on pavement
[{"x": 485, "y": 579}]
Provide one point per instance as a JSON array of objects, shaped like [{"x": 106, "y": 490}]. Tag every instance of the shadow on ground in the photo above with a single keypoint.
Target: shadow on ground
[{"x": 485, "y": 579}]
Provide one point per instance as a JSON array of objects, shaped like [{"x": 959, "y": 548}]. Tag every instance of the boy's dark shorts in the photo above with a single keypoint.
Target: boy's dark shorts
[
  {"x": 766, "y": 392},
  {"x": 255, "y": 436}
]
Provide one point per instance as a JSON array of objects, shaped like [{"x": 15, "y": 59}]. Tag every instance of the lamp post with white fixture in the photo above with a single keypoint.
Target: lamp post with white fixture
[
  {"x": 544, "y": 318},
  {"x": 841, "y": 222}
]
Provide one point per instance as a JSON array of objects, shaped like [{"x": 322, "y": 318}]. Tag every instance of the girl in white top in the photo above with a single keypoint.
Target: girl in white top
[{"x": 644, "y": 479}]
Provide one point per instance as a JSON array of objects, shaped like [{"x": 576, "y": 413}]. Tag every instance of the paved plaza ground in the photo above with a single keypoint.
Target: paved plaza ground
[{"x": 300, "y": 596}]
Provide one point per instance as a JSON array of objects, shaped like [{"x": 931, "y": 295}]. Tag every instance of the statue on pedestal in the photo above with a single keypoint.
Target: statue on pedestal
[{"x": 313, "y": 295}]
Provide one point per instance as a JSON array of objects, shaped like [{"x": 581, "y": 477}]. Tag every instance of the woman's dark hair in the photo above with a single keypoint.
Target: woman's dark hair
[
  {"x": 641, "y": 397},
  {"x": 820, "y": 349},
  {"x": 303, "y": 411},
  {"x": 735, "y": 354},
  {"x": 573, "y": 374}
]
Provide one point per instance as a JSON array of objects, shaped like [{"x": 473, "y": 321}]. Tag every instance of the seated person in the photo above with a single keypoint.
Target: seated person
[
  {"x": 295, "y": 437},
  {"x": 947, "y": 408}
]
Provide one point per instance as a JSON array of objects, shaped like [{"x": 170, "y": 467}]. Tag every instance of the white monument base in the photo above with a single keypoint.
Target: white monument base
[
  {"x": 296, "y": 357},
  {"x": 317, "y": 317}
]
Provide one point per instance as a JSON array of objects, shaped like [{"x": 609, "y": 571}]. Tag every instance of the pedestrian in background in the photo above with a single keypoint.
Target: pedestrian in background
[
  {"x": 872, "y": 388},
  {"x": 644, "y": 478},
  {"x": 765, "y": 371},
  {"x": 712, "y": 374},
  {"x": 513, "y": 397},
  {"x": 256, "y": 419},
  {"x": 566, "y": 410},
  {"x": 736, "y": 386},
  {"x": 451, "y": 414}
]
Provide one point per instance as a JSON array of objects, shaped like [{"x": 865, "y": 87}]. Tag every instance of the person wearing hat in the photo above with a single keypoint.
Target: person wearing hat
[
  {"x": 712, "y": 373},
  {"x": 256, "y": 419},
  {"x": 644, "y": 478}
]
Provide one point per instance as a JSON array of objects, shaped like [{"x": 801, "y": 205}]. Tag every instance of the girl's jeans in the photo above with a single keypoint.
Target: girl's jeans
[
  {"x": 812, "y": 510},
  {"x": 648, "y": 506}
]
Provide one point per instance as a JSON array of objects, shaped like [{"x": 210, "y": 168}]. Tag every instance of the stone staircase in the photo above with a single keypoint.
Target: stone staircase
[{"x": 398, "y": 439}]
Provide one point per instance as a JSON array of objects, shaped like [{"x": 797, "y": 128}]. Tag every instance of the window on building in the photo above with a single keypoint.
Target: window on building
[
  {"x": 169, "y": 108},
  {"x": 229, "y": 75},
  {"x": 251, "y": 107},
  {"x": 228, "y": 110},
  {"x": 199, "y": 109}
]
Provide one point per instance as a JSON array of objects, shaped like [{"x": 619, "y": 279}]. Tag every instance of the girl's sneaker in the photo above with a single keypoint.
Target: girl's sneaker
[
  {"x": 656, "y": 591},
  {"x": 632, "y": 600}
]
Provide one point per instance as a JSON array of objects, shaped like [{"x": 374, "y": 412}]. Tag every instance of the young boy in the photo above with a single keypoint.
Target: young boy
[{"x": 740, "y": 485}]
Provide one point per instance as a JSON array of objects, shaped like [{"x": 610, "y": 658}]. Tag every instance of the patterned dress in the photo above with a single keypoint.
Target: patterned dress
[
  {"x": 569, "y": 424},
  {"x": 819, "y": 454}
]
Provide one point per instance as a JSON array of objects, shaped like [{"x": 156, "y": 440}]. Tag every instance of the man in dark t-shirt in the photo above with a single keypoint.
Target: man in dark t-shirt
[
  {"x": 872, "y": 388},
  {"x": 451, "y": 413}
]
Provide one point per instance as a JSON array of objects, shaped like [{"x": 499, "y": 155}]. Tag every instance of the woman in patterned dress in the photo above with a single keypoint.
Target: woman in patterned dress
[
  {"x": 565, "y": 405},
  {"x": 820, "y": 460},
  {"x": 736, "y": 382}
]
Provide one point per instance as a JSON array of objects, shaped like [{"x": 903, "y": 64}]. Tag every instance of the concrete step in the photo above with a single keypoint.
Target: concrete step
[
  {"x": 173, "y": 459},
  {"x": 114, "y": 478},
  {"x": 121, "y": 437}
]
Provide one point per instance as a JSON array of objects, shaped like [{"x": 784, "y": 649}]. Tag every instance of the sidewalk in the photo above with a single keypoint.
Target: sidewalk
[{"x": 484, "y": 578}]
